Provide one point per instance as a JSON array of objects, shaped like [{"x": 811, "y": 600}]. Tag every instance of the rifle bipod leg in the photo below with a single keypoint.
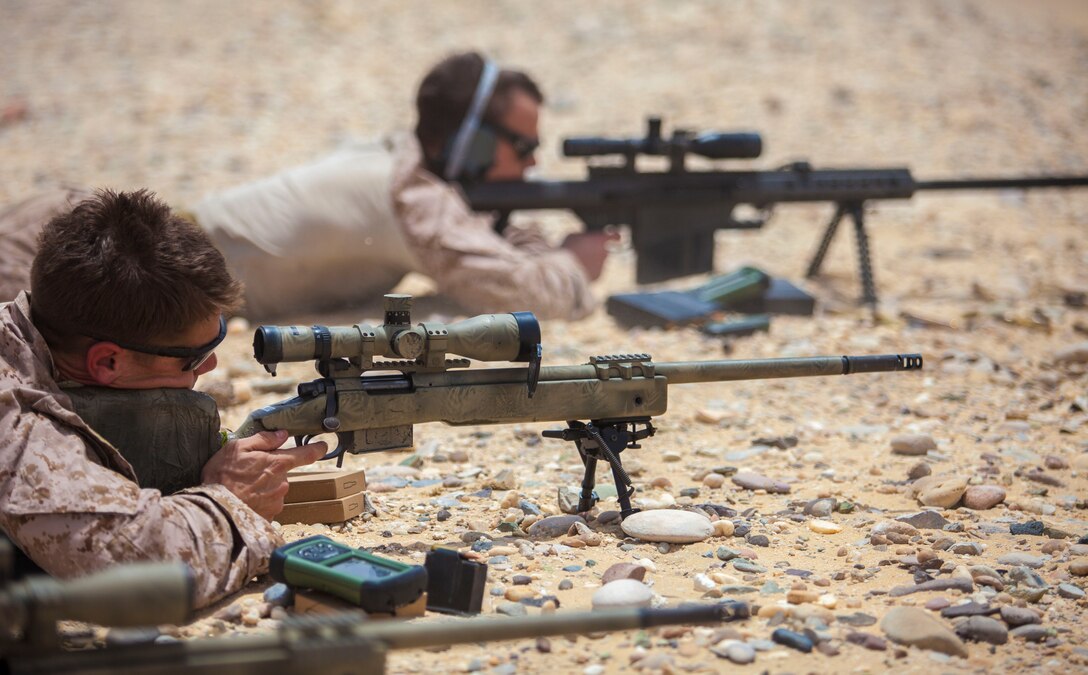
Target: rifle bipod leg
[
  {"x": 865, "y": 265},
  {"x": 829, "y": 234},
  {"x": 596, "y": 441},
  {"x": 856, "y": 211}
]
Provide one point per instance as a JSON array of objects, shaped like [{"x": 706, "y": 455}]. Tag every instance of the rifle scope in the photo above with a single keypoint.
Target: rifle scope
[
  {"x": 735, "y": 145},
  {"x": 713, "y": 145},
  {"x": 488, "y": 337}
]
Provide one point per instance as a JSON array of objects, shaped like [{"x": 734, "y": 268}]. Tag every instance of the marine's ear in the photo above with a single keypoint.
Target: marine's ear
[{"x": 103, "y": 362}]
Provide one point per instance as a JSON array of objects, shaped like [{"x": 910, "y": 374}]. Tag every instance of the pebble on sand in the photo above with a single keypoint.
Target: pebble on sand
[
  {"x": 913, "y": 444},
  {"x": 824, "y": 527},
  {"x": 983, "y": 629},
  {"x": 667, "y": 525},
  {"x": 755, "y": 481},
  {"x": 982, "y": 497},
  {"x": 917, "y": 628},
  {"x": 553, "y": 526},
  {"x": 623, "y": 570},
  {"x": 622, "y": 593},
  {"x": 944, "y": 494},
  {"x": 1079, "y": 567}
]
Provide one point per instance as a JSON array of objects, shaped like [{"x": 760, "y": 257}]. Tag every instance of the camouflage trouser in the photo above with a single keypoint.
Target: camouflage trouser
[{"x": 19, "y": 228}]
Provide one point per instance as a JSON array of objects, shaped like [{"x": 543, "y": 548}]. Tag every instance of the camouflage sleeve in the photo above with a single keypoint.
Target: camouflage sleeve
[
  {"x": 483, "y": 271},
  {"x": 73, "y": 516}
]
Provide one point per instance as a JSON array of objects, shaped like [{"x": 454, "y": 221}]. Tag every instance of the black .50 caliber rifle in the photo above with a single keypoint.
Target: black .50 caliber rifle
[
  {"x": 608, "y": 403},
  {"x": 673, "y": 214}
]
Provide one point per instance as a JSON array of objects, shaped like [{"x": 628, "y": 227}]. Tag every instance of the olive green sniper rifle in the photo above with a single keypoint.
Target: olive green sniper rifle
[
  {"x": 618, "y": 394},
  {"x": 161, "y": 593}
]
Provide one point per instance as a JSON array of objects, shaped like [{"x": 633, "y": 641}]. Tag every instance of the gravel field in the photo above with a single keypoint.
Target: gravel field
[{"x": 187, "y": 97}]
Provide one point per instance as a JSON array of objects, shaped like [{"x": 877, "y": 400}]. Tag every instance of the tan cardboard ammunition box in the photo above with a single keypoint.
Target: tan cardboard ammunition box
[
  {"x": 324, "y": 511},
  {"x": 315, "y": 486},
  {"x": 315, "y": 602}
]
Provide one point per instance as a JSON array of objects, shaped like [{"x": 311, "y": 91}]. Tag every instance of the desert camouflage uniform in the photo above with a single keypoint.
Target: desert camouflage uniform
[{"x": 71, "y": 502}]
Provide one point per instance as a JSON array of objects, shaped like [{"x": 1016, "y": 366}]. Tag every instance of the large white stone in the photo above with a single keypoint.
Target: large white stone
[
  {"x": 622, "y": 593},
  {"x": 675, "y": 527}
]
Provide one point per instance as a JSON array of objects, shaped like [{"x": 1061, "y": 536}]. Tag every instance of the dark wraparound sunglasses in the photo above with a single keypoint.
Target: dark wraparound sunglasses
[
  {"x": 194, "y": 356},
  {"x": 523, "y": 145}
]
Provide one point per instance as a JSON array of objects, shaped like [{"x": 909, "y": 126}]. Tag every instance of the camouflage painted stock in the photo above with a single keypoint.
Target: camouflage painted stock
[
  {"x": 153, "y": 594},
  {"x": 618, "y": 394}
]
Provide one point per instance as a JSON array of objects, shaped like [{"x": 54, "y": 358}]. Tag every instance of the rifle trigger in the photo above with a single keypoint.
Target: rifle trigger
[
  {"x": 534, "y": 368},
  {"x": 337, "y": 453}
]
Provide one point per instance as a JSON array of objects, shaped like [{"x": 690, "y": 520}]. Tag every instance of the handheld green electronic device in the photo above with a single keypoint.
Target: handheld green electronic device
[{"x": 375, "y": 584}]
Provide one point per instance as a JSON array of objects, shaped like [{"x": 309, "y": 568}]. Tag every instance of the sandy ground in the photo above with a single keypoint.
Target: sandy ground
[{"x": 188, "y": 97}]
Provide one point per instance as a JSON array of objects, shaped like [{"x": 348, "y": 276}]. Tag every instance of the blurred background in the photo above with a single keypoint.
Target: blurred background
[{"x": 188, "y": 97}]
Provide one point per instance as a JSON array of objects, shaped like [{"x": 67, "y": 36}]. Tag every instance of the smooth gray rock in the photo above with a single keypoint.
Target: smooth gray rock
[
  {"x": 918, "y": 628},
  {"x": 1070, "y": 591},
  {"x": 279, "y": 595},
  {"x": 963, "y": 585},
  {"x": 1031, "y": 632},
  {"x": 1019, "y": 616},
  {"x": 966, "y": 548},
  {"x": 553, "y": 526},
  {"x": 754, "y": 481},
  {"x": 511, "y": 609},
  {"x": 735, "y": 650},
  {"x": 745, "y": 565},
  {"x": 982, "y": 629},
  {"x": 821, "y": 508},
  {"x": 1025, "y": 559},
  {"x": 925, "y": 520}
]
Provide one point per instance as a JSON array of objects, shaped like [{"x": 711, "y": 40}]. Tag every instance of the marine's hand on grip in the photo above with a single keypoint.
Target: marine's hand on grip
[{"x": 255, "y": 471}]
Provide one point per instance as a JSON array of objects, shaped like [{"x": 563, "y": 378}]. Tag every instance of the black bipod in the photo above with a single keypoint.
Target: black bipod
[
  {"x": 605, "y": 439},
  {"x": 856, "y": 212}
]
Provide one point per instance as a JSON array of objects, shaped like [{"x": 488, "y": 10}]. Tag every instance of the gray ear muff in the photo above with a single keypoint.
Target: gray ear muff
[{"x": 463, "y": 147}]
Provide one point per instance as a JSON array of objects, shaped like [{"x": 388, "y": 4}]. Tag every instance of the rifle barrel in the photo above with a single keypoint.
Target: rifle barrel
[
  {"x": 400, "y": 635},
  {"x": 1004, "y": 183},
  {"x": 762, "y": 369}
]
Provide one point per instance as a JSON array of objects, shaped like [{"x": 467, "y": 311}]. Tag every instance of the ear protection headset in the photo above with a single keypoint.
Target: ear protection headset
[{"x": 471, "y": 151}]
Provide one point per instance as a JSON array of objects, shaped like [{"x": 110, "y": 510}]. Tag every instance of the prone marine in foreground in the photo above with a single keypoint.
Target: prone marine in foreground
[{"x": 126, "y": 295}]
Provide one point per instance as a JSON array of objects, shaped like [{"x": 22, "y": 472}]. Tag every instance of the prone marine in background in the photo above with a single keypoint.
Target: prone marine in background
[{"x": 346, "y": 228}]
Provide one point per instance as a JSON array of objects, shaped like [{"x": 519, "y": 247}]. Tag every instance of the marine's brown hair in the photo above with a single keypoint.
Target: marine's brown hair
[
  {"x": 123, "y": 265},
  {"x": 446, "y": 93}
]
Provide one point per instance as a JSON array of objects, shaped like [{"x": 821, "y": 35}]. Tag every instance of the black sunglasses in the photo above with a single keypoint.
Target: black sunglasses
[
  {"x": 523, "y": 145},
  {"x": 194, "y": 356}
]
